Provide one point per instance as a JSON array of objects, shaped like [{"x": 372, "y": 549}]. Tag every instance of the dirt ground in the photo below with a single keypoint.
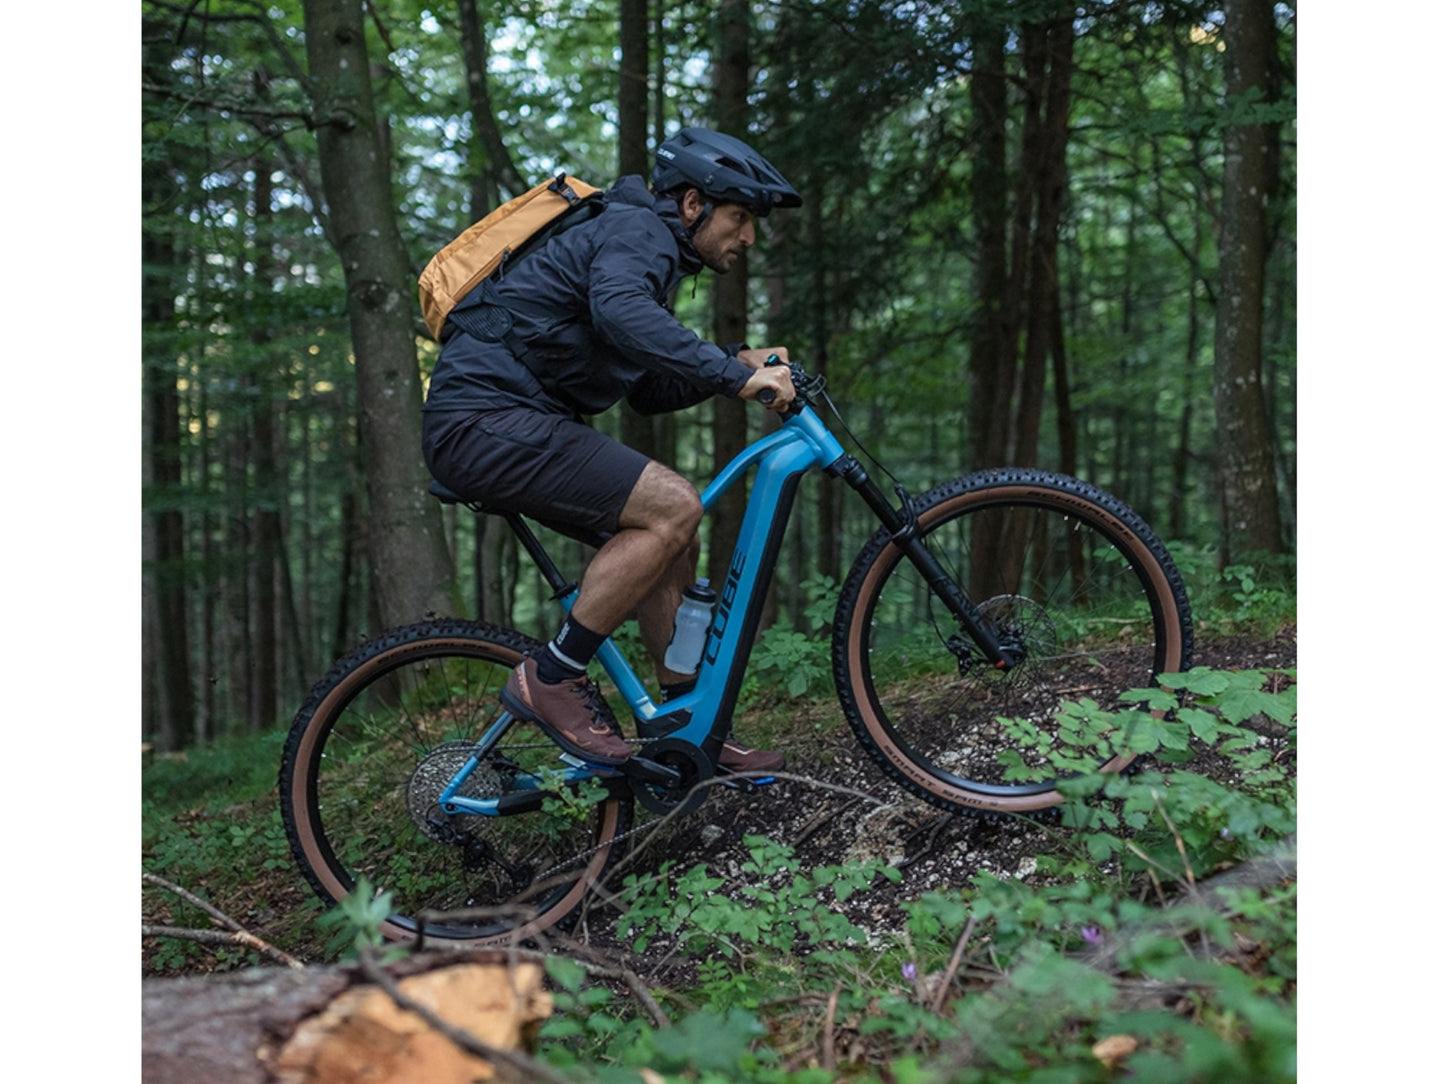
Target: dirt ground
[
  {"x": 839, "y": 808},
  {"x": 868, "y": 817}
]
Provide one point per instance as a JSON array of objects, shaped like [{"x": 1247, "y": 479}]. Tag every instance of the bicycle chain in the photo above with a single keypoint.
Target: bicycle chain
[
  {"x": 582, "y": 855},
  {"x": 647, "y": 824}
]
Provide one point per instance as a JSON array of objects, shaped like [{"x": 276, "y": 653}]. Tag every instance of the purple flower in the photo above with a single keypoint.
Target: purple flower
[
  {"x": 910, "y": 972},
  {"x": 1224, "y": 833},
  {"x": 1091, "y": 934}
]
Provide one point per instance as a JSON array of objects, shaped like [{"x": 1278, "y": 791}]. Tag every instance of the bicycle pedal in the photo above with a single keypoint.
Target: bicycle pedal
[{"x": 747, "y": 786}]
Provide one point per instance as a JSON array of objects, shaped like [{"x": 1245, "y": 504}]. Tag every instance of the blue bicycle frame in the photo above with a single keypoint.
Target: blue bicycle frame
[
  {"x": 700, "y": 719},
  {"x": 702, "y": 716}
]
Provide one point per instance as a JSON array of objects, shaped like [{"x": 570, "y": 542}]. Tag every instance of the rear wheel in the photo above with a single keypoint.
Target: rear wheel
[
  {"x": 365, "y": 764},
  {"x": 1065, "y": 575}
]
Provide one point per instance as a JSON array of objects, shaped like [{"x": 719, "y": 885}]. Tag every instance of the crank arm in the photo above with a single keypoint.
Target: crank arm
[{"x": 649, "y": 771}]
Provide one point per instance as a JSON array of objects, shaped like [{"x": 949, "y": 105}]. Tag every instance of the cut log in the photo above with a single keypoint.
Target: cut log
[{"x": 326, "y": 1025}]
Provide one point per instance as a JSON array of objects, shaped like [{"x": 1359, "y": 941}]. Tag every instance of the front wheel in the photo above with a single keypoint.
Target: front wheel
[
  {"x": 1066, "y": 576},
  {"x": 369, "y": 754}
]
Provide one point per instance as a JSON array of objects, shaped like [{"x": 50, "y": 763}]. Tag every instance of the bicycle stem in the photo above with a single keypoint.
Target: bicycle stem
[{"x": 903, "y": 527}]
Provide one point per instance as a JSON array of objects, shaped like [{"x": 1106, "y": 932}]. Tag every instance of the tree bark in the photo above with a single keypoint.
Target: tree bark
[
  {"x": 169, "y": 710},
  {"x": 266, "y": 526},
  {"x": 632, "y": 89},
  {"x": 492, "y": 171},
  {"x": 327, "y": 1025},
  {"x": 410, "y": 566},
  {"x": 639, "y": 431},
  {"x": 1054, "y": 55},
  {"x": 1247, "y": 477},
  {"x": 730, "y": 291},
  {"x": 990, "y": 353}
]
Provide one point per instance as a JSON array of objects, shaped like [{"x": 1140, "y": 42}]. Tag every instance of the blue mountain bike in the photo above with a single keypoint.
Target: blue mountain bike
[{"x": 996, "y": 595}]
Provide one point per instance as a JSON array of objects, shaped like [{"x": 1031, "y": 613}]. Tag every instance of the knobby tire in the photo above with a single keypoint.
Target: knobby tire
[
  {"x": 1054, "y": 564},
  {"x": 377, "y": 738}
]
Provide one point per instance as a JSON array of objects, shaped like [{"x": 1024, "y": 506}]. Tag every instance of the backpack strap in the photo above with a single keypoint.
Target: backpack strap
[{"x": 482, "y": 318}]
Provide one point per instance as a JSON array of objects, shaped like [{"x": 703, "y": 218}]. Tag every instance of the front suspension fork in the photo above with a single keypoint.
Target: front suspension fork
[{"x": 903, "y": 525}]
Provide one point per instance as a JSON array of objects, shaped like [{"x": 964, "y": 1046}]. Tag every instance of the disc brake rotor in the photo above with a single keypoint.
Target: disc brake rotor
[{"x": 1024, "y": 630}]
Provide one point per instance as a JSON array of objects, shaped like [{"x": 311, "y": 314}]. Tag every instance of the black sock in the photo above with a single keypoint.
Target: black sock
[
  {"x": 680, "y": 688},
  {"x": 568, "y": 653}
]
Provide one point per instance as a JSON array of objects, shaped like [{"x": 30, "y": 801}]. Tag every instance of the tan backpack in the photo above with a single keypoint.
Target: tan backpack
[{"x": 502, "y": 237}]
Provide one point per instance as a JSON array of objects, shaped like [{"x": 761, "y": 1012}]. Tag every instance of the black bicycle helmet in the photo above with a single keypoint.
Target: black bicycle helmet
[{"x": 724, "y": 169}]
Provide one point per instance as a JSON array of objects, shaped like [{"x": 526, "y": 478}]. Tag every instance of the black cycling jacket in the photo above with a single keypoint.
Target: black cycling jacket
[{"x": 592, "y": 307}]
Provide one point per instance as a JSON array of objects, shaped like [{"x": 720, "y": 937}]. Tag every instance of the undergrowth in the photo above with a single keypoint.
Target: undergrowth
[
  {"x": 1121, "y": 962},
  {"x": 1127, "y": 955}
]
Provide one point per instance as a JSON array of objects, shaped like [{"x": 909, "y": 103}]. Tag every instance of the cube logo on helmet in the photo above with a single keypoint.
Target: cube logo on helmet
[{"x": 724, "y": 169}]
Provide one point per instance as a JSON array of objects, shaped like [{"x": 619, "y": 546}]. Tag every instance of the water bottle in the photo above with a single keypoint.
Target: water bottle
[{"x": 689, "y": 629}]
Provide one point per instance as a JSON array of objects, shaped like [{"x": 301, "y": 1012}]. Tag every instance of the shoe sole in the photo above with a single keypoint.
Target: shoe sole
[{"x": 522, "y": 711}]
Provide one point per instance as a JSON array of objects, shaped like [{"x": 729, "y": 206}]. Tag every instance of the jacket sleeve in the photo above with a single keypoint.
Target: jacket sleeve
[{"x": 632, "y": 268}]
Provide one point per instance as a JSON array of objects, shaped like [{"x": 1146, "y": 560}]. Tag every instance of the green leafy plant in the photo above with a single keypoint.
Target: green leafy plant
[
  {"x": 789, "y": 663},
  {"x": 355, "y": 923}
]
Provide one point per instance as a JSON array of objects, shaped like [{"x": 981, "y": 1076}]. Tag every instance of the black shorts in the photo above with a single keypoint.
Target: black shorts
[{"x": 544, "y": 466}]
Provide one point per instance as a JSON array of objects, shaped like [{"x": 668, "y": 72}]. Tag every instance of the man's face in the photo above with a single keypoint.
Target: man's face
[{"x": 726, "y": 234}]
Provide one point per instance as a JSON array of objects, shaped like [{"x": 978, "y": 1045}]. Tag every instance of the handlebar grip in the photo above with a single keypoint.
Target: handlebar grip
[{"x": 767, "y": 395}]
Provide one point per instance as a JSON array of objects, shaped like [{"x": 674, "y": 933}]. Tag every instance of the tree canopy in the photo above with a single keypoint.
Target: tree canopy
[{"x": 1025, "y": 238}]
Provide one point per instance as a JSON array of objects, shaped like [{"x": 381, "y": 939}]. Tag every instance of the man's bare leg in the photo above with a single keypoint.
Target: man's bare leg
[
  {"x": 657, "y": 529},
  {"x": 658, "y": 524}
]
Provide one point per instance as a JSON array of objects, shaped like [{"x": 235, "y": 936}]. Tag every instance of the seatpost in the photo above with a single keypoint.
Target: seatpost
[{"x": 561, "y": 586}]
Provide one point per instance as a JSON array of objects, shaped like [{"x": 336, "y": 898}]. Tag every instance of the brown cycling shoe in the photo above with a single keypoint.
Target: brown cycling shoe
[
  {"x": 570, "y": 712},
  {"x": 739, "y": 758}
]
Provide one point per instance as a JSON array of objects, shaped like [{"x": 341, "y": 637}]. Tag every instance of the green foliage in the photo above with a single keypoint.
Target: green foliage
[
  {"x": 355, "y": 923},
  {"x": 1113, "y": 938},
  {"x": 781, "y": 905},
  {"x": 1252, "y": 596},
  {"x": 792, "y": 664}
]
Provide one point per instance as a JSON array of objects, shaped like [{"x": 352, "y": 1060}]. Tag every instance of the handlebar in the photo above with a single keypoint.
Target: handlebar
[{"x": 801, "y": 382}]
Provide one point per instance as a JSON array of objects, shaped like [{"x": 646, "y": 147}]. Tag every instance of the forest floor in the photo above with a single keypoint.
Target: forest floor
[
  {"x": 834, "y": 807},
  {"x": 838, "y": 808}
]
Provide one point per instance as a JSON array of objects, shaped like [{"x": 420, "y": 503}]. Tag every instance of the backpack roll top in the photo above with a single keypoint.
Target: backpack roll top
[{"x": 506, "y": 234}]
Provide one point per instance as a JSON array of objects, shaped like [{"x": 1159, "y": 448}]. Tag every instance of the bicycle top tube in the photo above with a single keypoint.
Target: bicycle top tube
[{"x": 805, "y": 427}]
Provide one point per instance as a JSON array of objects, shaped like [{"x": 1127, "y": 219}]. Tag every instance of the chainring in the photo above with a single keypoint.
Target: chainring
[{"x": 692, "y": 767}]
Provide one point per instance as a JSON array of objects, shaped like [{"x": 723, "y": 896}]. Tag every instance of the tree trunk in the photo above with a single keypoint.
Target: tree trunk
[
  {"x": 492, "y": 168},
  {"x": 1247, "y": 477},
  {"x": 267, "y": 523},
  {"x": 1054, "y": 54},
  {"x": 632, "y": 89},
  {"x": 990, "y": 353},
  {"x": 410, "y": 566},
  {"x": 730, "y": 291},
  {"x": 236, "y": 589},
  {"x": 169, "y": 711},
  {"x": 638, "y": 431}
]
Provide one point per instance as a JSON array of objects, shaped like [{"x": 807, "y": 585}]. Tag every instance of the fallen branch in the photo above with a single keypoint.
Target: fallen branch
[
  {"x": 598, "y": 963},
  {"x": 953, "y": 962},
  {"x": 239, "y": 934}
]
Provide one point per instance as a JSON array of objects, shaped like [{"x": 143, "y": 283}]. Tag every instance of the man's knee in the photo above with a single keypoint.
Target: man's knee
[{"x": 664, "y": 502}]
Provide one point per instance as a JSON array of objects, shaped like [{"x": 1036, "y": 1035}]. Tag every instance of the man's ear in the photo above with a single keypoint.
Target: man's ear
[{"x": 690, "y": 206}]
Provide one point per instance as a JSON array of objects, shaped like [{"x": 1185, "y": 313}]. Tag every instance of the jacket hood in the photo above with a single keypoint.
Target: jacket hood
[{"x": 633, "y": 190}]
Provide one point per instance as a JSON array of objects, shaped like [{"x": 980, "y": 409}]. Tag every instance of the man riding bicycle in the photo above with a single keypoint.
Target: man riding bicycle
[{"x": 590, "y": 325}]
